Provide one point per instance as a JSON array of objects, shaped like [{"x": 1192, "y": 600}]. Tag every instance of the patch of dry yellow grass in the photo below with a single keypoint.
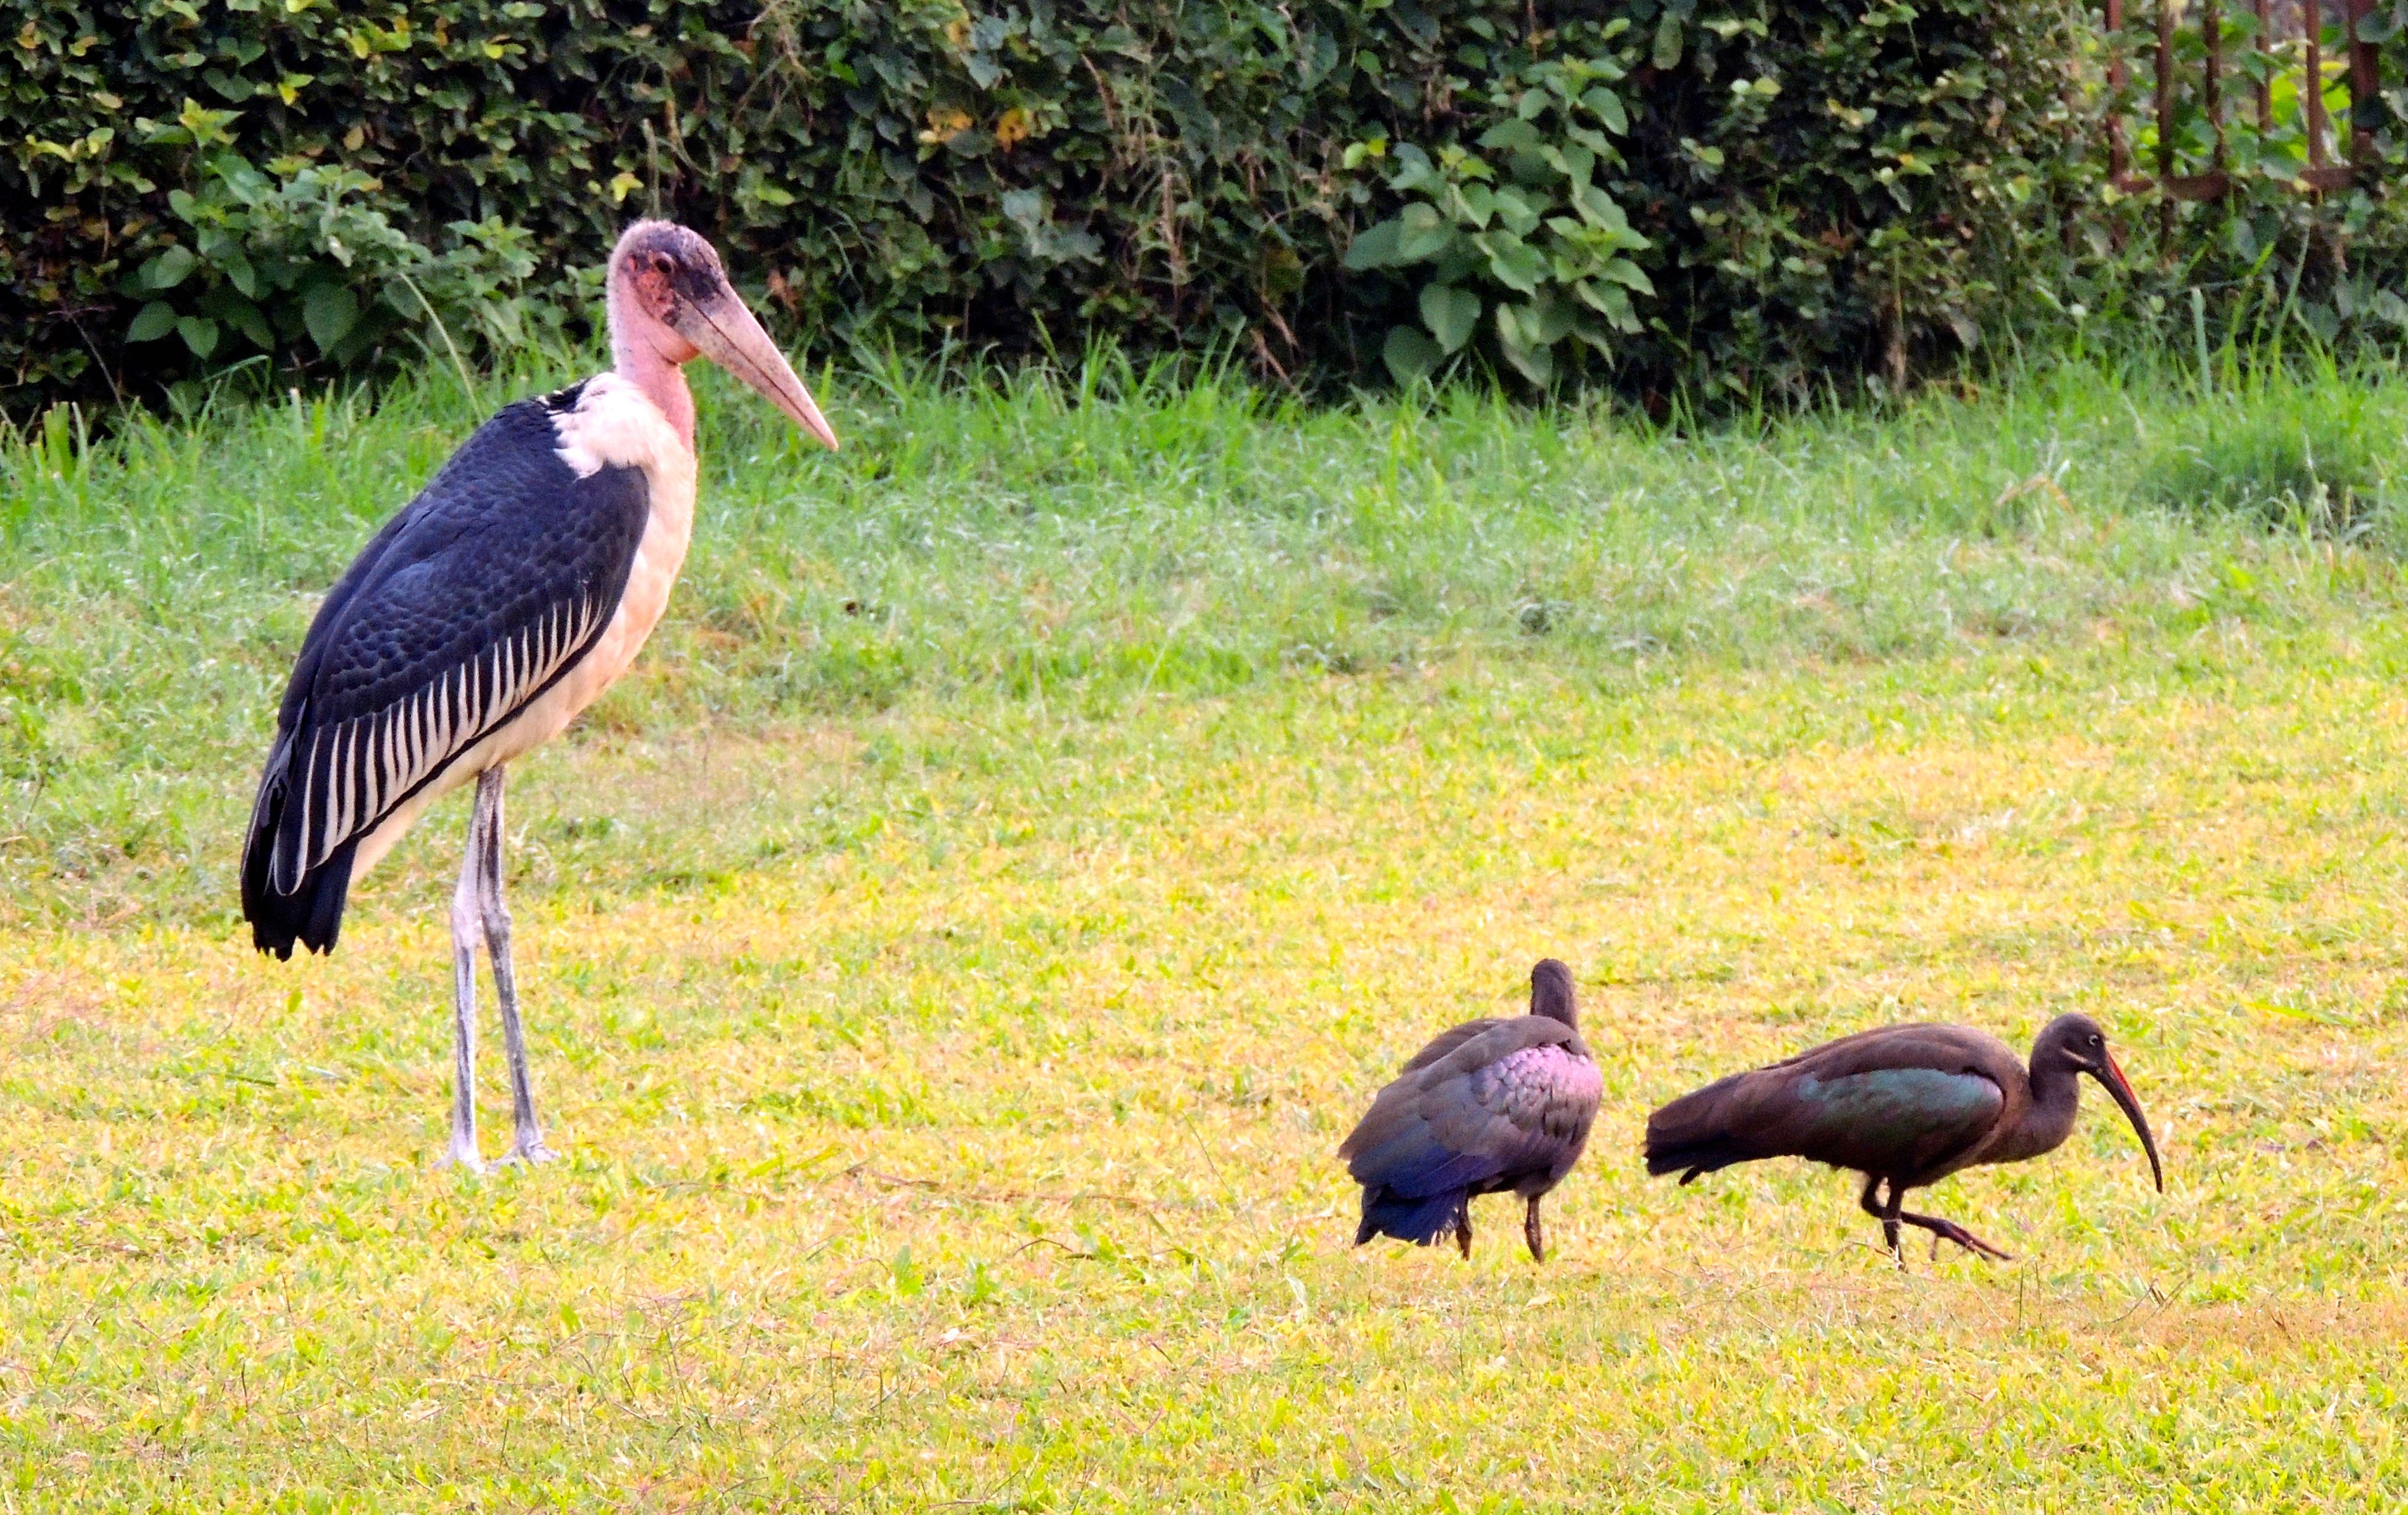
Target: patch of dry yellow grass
[{"x": 949, "y": 1099}]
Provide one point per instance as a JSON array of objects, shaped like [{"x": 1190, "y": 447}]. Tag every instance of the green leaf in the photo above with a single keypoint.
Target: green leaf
[
  {"x": 168, "y": 270},
  {"x": 1599, "y": 209},
  {"x": 238, "y": 271},
  {"x": 1519, "y": 210},
  {"x": 1594, "y": 141},
  {"x": 1425, "y": 235},
  {"x": 1374, "y": 246},
  {"x": 1511, "y": 262},
  {"x": 151, "y": 322},
  {"x": 1546, "y": 320},
  {"x": 1573, "y": 163},
  {"x": 1410, "y": 355},
  {"x": 1629, "y": 276},
  {"x": 1512, "y": 136},
  {"x": 1667, "y": 53},
  {"x": 1414, "y": 172},
  {"x": 1450, "y": 314},
  {"x": 1607, "y": 300},
  {"x": 1534, "y": 361},
  {"x": 1606, "y": 107},
  {"x": 246, "y": 318},
  {"x": 200, "y": 334},
  {"x": 330, "y": 313}
]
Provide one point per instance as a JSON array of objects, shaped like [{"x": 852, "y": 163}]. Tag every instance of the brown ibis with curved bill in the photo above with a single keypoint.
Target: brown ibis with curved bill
[
  {"x": 1905, "y": 1104},
  {"x": 1487, "y": 1107}
]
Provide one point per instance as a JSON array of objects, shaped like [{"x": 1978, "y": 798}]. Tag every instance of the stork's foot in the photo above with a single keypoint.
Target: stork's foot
[
  {"x": 1950, "y": 1231},
  {"x": 533, "y": 1153},
  {"x": 463, "y": 1158}
]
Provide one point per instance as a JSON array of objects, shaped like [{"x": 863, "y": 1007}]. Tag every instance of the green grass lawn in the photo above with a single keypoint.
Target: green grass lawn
[{"x": 953, "y": 959}]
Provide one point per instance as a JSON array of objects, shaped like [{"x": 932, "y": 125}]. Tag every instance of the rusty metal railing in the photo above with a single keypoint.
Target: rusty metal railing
[{"x": 2319, "y": 172}]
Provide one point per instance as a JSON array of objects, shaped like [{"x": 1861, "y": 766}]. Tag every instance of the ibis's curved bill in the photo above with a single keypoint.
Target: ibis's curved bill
[{"x": 2111, "y": 1074}]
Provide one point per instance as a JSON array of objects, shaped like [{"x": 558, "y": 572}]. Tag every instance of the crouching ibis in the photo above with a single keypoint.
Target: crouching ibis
[
  {"x": 1905, "y": 1104},
  {"x": 517, "y": 586},
  {"x": 1487, "y": 1107}
]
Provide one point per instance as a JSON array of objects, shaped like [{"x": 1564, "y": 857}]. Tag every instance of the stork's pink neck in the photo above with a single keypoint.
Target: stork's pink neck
[{"x": 639, "y": 351}]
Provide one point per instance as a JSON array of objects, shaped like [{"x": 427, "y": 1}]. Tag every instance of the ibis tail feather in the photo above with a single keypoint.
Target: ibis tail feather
[{"x": 1421, "y": 1219}]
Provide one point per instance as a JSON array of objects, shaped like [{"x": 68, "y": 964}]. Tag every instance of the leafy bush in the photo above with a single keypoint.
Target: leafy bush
[
  {"x": 1709, "y": 194},
  {"x": 1525, "y": 235},
  {"x": 269, "y": 261},
  {"x": 909, "y": 173}
]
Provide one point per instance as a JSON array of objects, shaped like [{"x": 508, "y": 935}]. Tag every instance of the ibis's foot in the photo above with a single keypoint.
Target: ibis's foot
[
  {"x": 533, "y": 1153},
  {"x": 1950, "y": 1231}
]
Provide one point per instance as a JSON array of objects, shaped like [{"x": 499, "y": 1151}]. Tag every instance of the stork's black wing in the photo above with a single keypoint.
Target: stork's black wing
[{"x": 469, "y": 603}]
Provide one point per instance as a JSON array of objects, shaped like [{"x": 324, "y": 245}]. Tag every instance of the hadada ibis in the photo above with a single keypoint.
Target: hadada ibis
[
  {"x": 1908, "y": 1105},
  {"x": 1489, "y": 1106}
]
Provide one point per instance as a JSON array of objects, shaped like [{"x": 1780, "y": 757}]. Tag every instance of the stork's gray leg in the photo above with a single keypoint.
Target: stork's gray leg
[
  {"x": 526, "y": 1141},
  {"x": 467, "y": 930}
]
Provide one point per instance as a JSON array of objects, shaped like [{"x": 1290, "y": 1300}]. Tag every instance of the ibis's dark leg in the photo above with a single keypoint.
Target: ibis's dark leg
[
  {"x": 526, "y": 1141},
  {"x": 1463, "y": 1228},
  {"x": 1532, "y": 1233},
  {"x": 467, "y": 930},
  {"x": 1886, "y": 1214},
  {"x": 1950, "y": 1231}
]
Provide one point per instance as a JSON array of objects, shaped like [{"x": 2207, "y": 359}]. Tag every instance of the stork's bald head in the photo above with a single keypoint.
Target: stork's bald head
[{"x": 668, "y": 292}]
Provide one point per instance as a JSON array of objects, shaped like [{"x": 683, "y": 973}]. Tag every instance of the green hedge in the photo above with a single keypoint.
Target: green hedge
[{"x": 1658, "y": 193}]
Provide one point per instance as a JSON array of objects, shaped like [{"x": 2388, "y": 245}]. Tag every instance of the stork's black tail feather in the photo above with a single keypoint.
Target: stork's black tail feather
[{"x": 312, "y": 914}]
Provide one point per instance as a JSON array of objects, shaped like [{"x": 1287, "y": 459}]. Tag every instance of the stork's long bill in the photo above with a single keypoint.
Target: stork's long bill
[{"x": 729, "y": 335}]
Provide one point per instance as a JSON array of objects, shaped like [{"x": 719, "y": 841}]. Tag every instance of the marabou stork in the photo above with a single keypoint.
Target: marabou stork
[
  {"x": 482, "y": 617},
  {"x": 1905, "y": 1104},
  {"x": 1488, "y": 1106}
]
